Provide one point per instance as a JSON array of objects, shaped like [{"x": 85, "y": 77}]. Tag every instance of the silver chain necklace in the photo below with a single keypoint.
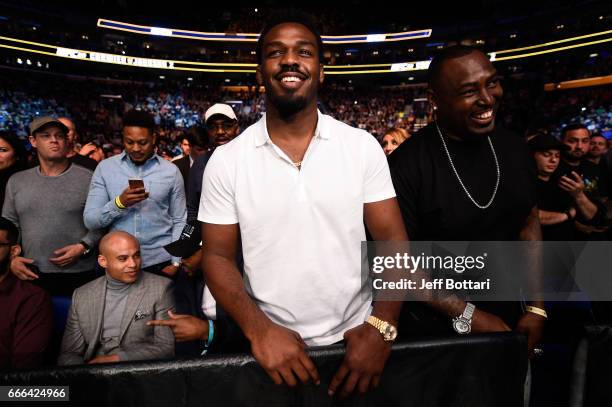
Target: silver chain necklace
[{"x": 450, "y": 160}]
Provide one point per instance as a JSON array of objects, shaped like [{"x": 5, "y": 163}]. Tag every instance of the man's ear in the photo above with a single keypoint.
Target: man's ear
[
  {"x": 431, "y": 97},
  {"x": 102, "y": 261},
  {"x": 321, "y": 74},
  {"x": 32, "y": 141},
  {"x": 258, "y": 76},
  {"x": 15, "y": 250}
]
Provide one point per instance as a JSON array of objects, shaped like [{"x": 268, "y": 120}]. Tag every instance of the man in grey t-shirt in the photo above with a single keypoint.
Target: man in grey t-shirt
[{"x": 46, "y": 203}]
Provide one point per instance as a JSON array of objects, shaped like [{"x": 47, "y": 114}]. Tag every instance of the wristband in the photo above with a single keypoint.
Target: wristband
[
  {"x": 211, "y": 335},
  {"x": 118, "y": 203},
  {"x": 537, "y": 311}
]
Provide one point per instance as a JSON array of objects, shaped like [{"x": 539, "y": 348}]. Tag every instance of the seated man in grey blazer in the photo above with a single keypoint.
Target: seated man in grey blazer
[{"x": 108, "y": 317}]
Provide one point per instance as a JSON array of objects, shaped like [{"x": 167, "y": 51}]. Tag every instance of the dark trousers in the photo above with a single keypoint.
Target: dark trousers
[{"x": 63, "y": 284}]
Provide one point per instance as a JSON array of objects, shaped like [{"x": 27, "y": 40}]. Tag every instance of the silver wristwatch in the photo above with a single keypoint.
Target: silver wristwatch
[{"x": 463, "y": 323}]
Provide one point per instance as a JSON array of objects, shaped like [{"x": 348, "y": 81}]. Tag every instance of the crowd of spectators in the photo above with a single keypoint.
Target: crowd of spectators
[
  {"x": 98, "y": 106},
  {"x": 141, "y": 201}
]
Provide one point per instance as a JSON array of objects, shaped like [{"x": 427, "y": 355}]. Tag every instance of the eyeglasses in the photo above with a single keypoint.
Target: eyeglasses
[{"x": 222, "y": 125}]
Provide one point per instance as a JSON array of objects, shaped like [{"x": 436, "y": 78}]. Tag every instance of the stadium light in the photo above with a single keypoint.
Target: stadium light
[
  {"x": 164, "y": 32},
  {"x": 252, "y": 37},
  {"x": 376, "y": 38},
  {"x": 226, "y": 67}
]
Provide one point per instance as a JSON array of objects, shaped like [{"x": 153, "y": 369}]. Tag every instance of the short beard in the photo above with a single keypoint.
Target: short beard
[
  {"x": 4, "y": 265},
  {"x": 288, "y": 106},
  {"x": 569, "y": 156}
]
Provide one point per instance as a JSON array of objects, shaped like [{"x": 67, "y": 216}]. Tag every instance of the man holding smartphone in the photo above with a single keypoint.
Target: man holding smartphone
[
  {"x": 46, "y": 203},
  {"x": 140, "y": 193},
  {"x": 576, "y": 175}
]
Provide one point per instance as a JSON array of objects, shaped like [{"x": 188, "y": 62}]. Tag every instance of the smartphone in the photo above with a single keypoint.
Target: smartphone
[
  {"x": 570, "y": 176},
  {"x": 34, "y": 269},
  {"x": 136, "y": 183}
]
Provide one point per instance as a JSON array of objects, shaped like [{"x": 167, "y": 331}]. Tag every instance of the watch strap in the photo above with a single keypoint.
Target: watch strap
[
  {"x": 87, "y": 248},
  {"x": 377, "y": 323},
  {"x": 468, "y": 312}
]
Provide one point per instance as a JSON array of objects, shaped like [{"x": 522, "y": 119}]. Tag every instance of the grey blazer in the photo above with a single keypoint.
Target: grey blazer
[{"x": 150, "y": 297}]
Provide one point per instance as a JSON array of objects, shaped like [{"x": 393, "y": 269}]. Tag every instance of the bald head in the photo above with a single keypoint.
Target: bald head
[
  {"x": 115, "y": 238},
  {"x": 120, "y": 256}
]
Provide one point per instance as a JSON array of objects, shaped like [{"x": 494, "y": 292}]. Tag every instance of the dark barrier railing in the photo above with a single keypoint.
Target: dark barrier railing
[
  {"x": 471, "y": 371},
  {"x": 592, "y": 378}
]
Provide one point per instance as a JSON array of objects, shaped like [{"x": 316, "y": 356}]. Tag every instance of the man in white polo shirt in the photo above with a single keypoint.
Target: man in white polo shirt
[{"x": 297, "y": 186}]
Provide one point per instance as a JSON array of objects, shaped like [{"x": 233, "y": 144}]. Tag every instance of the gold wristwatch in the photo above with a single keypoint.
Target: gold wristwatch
[{"x": 388, "y": 331}]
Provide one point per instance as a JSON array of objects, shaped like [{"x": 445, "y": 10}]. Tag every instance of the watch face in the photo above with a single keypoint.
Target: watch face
[
  {"x": 390, "y": 333},
  {"x": 462, "y": 326}
]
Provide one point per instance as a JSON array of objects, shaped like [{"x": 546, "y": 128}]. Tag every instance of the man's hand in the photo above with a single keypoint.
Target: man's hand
[
  {"x": 184, "y": 327},
  {"x": 364, "y": 361},
  {"x": 131, "y": 196},
  {"x": 67, "y": 255},
  {"x": 104, "y": 359},
  {"x": 87, "y": 149},
  {"x": 19, "y": 267},
  {"x": 573, "y": 186},
  {"x": 485, "y": 322},
  {"x": 588, "y": 229},
  {"x": 170, "y": 270},
  {"x": 282, "y": 354},
  {"x": 531, "y": 325}
]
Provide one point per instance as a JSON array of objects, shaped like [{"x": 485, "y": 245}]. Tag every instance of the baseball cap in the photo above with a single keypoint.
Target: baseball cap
[
  {"x": 543, "y": 142},
  {"x": 222, "y": 109},
  {"x": 188, "y": 243},
  {"x": 42, "y": 121}
]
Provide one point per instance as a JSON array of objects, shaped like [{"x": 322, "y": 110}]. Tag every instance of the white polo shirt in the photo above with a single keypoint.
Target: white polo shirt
[{"x": 301, "y": 229}]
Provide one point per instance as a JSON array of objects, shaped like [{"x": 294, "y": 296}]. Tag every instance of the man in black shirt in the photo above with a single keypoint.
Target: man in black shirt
[
  {"x": 597, "y": 155},
  {"x": 574, "y": 163},
  {"x": 461, "y": 178},
  {"x": 578, "y": 140}
]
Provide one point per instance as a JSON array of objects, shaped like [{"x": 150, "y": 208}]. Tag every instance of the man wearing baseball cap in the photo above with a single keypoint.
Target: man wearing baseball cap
[
  {"x": 46, "y": 204},
  {"x": 221, "y": 127}
]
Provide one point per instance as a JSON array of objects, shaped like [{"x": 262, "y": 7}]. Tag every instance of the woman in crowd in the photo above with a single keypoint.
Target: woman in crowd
[
  {"x": 13, "y": 158},
  {"x": 393, "y": 138}
]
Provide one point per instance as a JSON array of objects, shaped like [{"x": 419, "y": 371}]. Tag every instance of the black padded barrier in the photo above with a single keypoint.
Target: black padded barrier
[
  {"x": 472, "y": 371},
  {"x": 592, "y": 377}
]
